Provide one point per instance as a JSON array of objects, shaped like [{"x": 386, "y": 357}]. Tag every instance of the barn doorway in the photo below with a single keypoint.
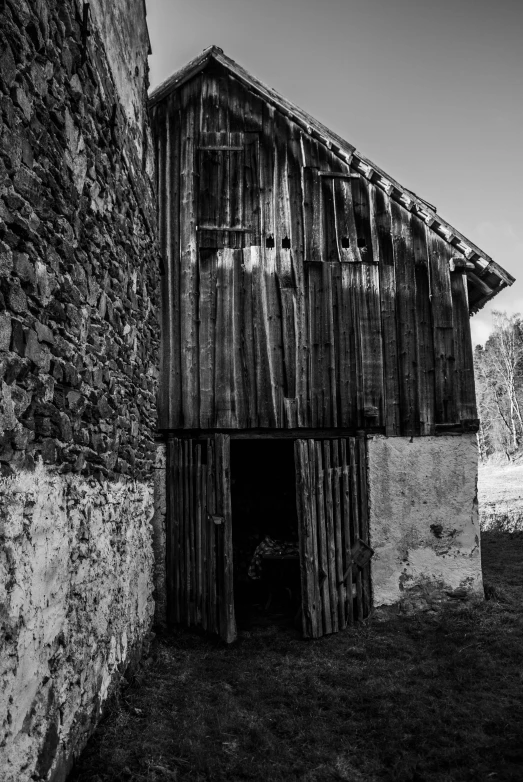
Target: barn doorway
[{"x": 267, "y": 586}]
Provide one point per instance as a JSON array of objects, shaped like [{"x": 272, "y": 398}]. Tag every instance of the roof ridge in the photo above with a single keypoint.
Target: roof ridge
[{"x": 483, "y": 263}]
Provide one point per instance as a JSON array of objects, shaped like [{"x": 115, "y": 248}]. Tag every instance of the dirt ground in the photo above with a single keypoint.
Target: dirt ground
[{"x": 427, "y": 699}]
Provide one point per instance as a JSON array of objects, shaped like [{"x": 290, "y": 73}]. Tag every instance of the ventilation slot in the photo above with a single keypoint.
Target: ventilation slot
[{"x": 269, "y": 242}]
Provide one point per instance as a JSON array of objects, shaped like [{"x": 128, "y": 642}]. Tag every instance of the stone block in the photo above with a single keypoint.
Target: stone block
[
  {"x": 16, "y": 299},
  {"x": 37, "y": 352},
  {"x": 7, "y": 66},
  {"x": 5, "y": 331},
  {"x": 23, "y": 267},
  {"x": 44, "y": 333}
]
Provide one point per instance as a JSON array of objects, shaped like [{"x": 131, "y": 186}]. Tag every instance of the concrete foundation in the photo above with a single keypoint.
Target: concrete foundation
[{"x": 424, "y": 522}]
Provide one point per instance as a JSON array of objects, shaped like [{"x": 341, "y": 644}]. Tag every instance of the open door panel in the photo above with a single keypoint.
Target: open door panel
[
  {"x": 331, "y": 496},
  {"x": 199, "y": 535}
]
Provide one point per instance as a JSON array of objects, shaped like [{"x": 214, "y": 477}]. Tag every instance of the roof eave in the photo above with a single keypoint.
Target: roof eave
[{"x": 483, "y": 264}]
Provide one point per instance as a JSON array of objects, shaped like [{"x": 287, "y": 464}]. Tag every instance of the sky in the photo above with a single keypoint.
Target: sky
[{"x": 430, "y": 92}]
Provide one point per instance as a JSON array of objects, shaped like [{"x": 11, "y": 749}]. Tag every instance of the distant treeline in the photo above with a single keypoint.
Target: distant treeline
[{"x": 499, "y": 387}]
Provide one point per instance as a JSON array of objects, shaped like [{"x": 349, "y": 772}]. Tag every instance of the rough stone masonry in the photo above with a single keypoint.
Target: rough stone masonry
[{"x": 78, "y": 356}]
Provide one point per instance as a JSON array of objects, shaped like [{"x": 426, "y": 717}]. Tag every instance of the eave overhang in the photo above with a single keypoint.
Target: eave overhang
[{"x": 485, "y": 277}]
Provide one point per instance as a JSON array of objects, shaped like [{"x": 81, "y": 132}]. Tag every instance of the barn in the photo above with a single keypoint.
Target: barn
[{"x": 316, "y": 383}]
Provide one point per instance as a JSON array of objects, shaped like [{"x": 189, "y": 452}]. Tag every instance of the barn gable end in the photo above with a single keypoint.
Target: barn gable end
[{"x": 307, "y": 295}]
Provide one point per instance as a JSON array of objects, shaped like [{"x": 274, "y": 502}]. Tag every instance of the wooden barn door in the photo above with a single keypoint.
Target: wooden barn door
[
  {"x": 199, "y": 535},
  {"x": 331, "y": 494}
]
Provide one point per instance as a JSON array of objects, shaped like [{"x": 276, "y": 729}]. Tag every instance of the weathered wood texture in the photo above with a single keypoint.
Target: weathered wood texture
[
  {"x": 331, "y": 497},
  {"x": 199, "y": 535},
  {"x": 296, "y": 292}
]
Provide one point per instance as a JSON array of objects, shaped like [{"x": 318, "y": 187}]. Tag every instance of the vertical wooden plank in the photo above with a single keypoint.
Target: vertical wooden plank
[
  {"x": 352, "y": 282},
  {"x": 443, "y": 323},
  {"x": 330, "y": 533},
  {"x": 190, "y": 95},
  {"x": 211, "y": 537},
  {"x": 315, "y": 339},
  {"x": 323, "y": 556},
  {"x": 271, "y": 306},
  {"x": 338, "y": 533},
  {"x": 223, "y": 345},
  {"x": 227, "y": 624},
  {"x": 197, "y": 461},
  {"x": 239, "y": 403},
  {"x": 361, "y": 204},
  {"x": 265, "y": 383},
  {"x": 267, "y": 175},
  {"x": 180, "y": 553},
  {"x": 329, "y": 249},
  {"x": 345, "y": 359},
  {"x": 207, "y": 317},
  {"x": 347, "y": 524},
  {"x": 308, "y": 560},
  {"x": 330, "y": 407},
  {"x": 163, "y": 147},
  {"x": 355, "y": 517},
  {"x": 246, "y": 338},
  {"x": 315, "y": 545},
  {"x": 312, "y": 201},
  {"x": 284, "y": 247},
  {"x": 171, "y": 564},
  {"x": 221, "y": 609},
  {"x": 296, "y": 198},
  {"x": 252, "y": 193},
  {"x": 204, "y": 539},
  {"x": 465, "y": 391},
  {"x": 406, "y": 318},
  {"x": 186, "y": 530},
  {"x": 347, "y": 236},
  {"x": 387, "y": 282},
  {"x": 236, "y": 187},
  {"x": 364, "y": 524},
  {"x": 424, "y": 329},
  {"x": 371, "y": 343}
]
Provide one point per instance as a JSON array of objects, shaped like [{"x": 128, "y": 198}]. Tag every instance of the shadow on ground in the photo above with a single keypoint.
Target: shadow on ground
[{"x": 432, "y": 698}]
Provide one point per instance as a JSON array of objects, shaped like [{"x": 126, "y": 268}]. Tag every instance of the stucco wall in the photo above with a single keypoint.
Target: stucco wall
[
  {"x": 79, "y": 335},
  {"x": 76, "y": 597},
  {"x": 424, "y": 523}
]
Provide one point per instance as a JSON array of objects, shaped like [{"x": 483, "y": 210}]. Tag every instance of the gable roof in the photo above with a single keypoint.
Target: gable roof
[{"x": 484, "y": 274}]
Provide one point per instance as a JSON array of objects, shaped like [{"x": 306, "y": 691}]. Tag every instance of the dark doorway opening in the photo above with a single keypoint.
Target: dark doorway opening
[{"x": 267, "y": 587}]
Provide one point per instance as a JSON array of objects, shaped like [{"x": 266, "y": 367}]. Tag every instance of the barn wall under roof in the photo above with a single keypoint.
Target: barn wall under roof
[{"x": 297, "y": 294}]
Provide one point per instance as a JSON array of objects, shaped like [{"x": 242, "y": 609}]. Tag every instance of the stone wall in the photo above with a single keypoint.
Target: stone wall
[
  {"x": 78, "y": 369},
  {"x": 424, "y": 523}
]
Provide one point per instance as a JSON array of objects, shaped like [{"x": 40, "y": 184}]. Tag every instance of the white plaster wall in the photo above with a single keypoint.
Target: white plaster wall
[
  {"x": 122, "y": 26},
  {"x": 76, "y": 603},
  {"x": 424, "y": 522}
]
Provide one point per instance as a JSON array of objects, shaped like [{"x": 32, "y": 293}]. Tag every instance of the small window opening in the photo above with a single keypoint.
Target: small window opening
[
  {"x": 269, "y": 242},
  {"x": 286, "y": 244},
  {"x": 362, "y": 242},
  {"x": 345, "y": 242}
]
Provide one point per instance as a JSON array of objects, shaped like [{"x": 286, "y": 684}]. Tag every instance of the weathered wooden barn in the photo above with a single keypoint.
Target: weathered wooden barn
[{"x": 316, "y": 341}]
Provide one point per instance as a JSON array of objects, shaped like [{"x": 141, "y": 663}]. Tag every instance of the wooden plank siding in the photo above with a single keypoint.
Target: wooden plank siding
[
  {"x": 199, "y": 535},
  {"x": 331, "y": 498},
  {"x": 296, "y": 293}
]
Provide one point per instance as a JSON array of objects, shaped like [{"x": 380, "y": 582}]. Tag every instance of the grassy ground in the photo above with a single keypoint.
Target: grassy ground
[
  {"x": 500, "y": 493},
  {"x": 426, "y": 698}
]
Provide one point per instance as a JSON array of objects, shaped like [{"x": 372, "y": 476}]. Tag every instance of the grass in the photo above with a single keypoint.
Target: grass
[
  {"x": 429, "y": 698},
  {"x": 500, "y": 493}
]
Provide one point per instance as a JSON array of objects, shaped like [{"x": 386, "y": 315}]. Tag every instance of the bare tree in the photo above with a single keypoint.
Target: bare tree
[{"x": 499, "y": 382}]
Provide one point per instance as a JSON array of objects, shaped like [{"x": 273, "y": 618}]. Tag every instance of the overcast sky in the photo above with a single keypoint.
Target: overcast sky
[{"x": 431, "y": 92}]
